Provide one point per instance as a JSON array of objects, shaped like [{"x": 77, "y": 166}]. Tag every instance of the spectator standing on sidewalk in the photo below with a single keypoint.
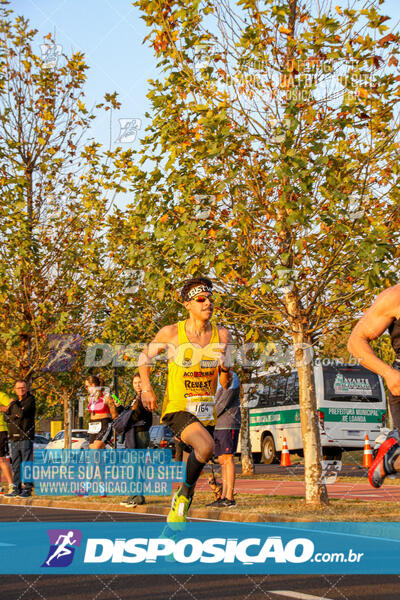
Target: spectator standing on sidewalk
[
  {"x": 4, "y": 464},
  {"x": 226, "y": 434},
  {"x": 20, "y": 418},
  {"x": 138, "y": 436}
]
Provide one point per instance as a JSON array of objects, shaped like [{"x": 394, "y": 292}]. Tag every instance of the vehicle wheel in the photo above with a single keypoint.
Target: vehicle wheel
[
  {"x": 256, "y": 458},
  {"x": 332, "y": 453},
  {"x": 268, "y": 452}
]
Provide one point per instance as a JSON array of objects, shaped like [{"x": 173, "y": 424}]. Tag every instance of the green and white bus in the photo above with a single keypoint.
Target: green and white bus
[{"x": 351, "y": 402}]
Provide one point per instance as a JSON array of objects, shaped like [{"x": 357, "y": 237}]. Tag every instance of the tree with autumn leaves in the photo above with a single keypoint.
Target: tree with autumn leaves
[
  {"x": 56, "y": 188},
  {"x": 271, "y": 165}
]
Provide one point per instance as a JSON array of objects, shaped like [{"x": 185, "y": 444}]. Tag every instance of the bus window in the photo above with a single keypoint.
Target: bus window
[
  {"x": 264, "y": 396},
  {"x": 281, "y": 390},
  {"x": 292, "y": 390},
  {"x": 351, "y": 384},
  {"x": 255, "y": 394},
  {"x": 296, "y": 392},
  {"x": 273, "y": 391}
]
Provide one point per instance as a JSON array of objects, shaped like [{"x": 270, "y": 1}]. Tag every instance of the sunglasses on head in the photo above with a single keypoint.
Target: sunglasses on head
[{"x": 204, "y": 298}]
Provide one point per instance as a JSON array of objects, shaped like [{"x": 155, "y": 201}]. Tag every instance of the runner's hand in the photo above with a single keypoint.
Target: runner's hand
[
  {"x": 222, "y": 352},
  {"x": 149, "y": 400},
  {"x": 393, "y": 382}
]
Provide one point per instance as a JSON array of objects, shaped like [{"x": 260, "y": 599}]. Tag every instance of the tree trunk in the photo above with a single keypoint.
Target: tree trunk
[
  {"x": 67, "y": 420},
  {"x": 246, "y": 454},
  {"x": 25, "y": 363},
  {"x": 316, "y": 492}
]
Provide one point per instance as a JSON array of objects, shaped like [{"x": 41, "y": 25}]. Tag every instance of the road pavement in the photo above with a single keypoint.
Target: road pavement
[{"x": 200, "y": 587}]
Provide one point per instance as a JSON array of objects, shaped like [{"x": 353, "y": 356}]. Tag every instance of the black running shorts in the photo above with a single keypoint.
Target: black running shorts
[
  {"x": 101, "y": 430},
  {"x": 3, "y": 443},
  {"x": 178, "y": 421}
]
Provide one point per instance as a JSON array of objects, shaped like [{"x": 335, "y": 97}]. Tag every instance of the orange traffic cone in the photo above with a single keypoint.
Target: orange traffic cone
[
  {"x": 367, "y": 458},
  {"x": 285, "y": 456}
]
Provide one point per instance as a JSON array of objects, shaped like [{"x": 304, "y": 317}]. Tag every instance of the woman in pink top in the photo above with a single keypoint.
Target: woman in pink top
[{"x": 102, "y": 412}]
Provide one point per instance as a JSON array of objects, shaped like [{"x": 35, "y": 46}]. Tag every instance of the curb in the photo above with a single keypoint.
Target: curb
[{"x": 196, "y": 513}]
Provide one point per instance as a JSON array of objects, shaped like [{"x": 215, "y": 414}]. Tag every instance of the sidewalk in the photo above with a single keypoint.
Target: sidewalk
[
  {"x": 257, "y": 501},
  {"x": 147, "y": 509}
]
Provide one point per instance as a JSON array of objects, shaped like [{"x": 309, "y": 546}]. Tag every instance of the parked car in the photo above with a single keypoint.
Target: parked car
[
  {"x": 79, "y": 440},
  {"x": 162, "y": 437},
  {"x": 40, "y": 442}
]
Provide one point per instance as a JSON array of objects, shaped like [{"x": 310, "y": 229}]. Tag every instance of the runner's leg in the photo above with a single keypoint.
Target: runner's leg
[
  {"x": 142, "y": 441},
  {"x": 97, "y": 445},
  {"x": 197, "y": 436},
  {"x": 6, "y": 469},
  {"x": 228, "y": 475},
  {"x": 395, "y": 414},
  {"x": 223, "y": 475}
]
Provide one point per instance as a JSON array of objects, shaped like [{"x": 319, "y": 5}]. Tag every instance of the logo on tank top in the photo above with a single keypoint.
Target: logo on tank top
[
  {"x": 187, "y": 358},
  {"x": 201, "y": 385},
  {"x": 198, "y": 374},
  {"x": 209, "y": 364}
]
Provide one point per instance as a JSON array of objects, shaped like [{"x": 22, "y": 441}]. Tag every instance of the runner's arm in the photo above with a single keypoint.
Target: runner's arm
[
  {"x": 225, "y": 361},
  {"x": 371, "y": 325},
  {"x": 158, "y": 345},
  {"x": 4, "y": 407},
  {"x": 111, "y": 405}
]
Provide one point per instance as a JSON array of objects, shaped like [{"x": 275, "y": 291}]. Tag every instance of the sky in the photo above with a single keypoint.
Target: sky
[{"x": 110, "y": 33}]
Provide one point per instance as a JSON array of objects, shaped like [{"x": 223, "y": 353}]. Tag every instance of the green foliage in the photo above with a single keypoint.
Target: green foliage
[
  {"x": 297, "y": 196},
  {"x": 54, "y": 271}
]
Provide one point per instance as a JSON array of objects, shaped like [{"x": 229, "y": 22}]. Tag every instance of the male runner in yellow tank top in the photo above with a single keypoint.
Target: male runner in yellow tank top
[{"x": 198, "y": 352}]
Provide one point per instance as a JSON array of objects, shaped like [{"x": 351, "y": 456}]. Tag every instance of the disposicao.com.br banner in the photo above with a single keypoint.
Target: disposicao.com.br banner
[{"x": 214, "y": 548}]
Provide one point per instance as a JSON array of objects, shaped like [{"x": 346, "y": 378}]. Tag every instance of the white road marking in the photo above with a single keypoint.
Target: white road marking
[{"x": 297, "y": 595}]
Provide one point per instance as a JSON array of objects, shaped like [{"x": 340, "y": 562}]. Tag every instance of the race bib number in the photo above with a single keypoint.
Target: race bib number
[
  {"x": 203, "y": 409},
  {"x": 94, "y": 427}
]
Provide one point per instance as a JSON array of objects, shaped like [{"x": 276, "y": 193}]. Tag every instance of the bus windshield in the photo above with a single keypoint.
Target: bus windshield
[{"x": 351, "y": 384}]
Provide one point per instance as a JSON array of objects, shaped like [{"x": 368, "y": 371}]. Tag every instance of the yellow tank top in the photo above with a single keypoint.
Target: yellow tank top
[
  {"x": 4, "y": 401},
  {"x": 193, "y": 378}
]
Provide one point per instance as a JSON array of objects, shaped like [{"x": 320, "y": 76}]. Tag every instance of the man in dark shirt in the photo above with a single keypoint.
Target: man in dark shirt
[
  {"x": 226, "y": 435},
  {"x": 20, "y": 418},
  {"x": 138, "y": 435}
]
